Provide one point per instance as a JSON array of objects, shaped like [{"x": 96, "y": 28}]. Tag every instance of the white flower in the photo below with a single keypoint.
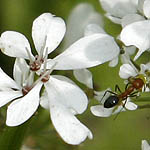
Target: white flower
[
  {"x": 25, "y": 96},
  {"x": 145, "y": 145},
  {"x": 136, "y": 29},
  {"x": 137, "y": 34},
  {"x": 47, "y": 33},
  {"x": 129, "y": 70},
  {"x": 101, "y": 111},
  {"x": 62, "y": 97}
]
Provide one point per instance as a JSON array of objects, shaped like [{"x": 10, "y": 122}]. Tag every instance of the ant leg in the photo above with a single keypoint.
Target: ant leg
[
  {"x": 108, "y": 91},
  {"x": 134, "y": 94},
  {"x": 117, "y": 88},
  {"x": 123, "y": 107},
  {"x": 124, "y": 103},
  {"x": 126, "y": 86}
]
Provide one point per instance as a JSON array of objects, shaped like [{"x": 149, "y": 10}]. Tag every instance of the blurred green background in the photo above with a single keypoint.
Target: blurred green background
[{"x": 124, "y": 133}]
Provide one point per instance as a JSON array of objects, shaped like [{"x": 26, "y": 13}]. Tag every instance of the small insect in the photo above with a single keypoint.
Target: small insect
[{"x": 132, "y": 89}]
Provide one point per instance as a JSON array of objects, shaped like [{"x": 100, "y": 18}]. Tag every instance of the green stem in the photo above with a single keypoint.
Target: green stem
[
  {"x": 12, "y": 137},
  {"x": 144, "y": 106}
]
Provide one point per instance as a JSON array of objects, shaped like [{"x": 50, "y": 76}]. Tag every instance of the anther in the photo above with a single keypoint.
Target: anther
[{"x": 25, "y": 90}]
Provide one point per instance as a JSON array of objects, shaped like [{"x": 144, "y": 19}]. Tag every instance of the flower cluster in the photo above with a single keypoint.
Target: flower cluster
[
  {"x": 61, "y": 96},
  {"x": 34, "y": 83}
]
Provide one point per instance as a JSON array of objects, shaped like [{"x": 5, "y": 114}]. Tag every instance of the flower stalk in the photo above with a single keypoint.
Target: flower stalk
[{"x": 12, "y": 137}]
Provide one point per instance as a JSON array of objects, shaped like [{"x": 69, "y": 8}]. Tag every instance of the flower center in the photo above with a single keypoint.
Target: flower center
[{"x": 35, "y": 65}]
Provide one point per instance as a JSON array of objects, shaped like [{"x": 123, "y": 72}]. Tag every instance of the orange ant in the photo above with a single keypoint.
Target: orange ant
[{"x": 134, "y": 86}]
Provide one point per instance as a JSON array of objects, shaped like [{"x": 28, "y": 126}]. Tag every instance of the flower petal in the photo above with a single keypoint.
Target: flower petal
[
  {"x": 67, "y": 94},
  {"x": 23, "y": 108},
  {"x": 145, "y": 145},
  {"x": 113, "y": 19},
  {"x": 100, "y": 111},
  {"x": 14, "y": 44},
  {"x": 92, "y": 29},
  {"x": 102, "y": 95},
  {"x": 113, "y": 62},
  {"x": 85, "y": 14},
  {"x": 126, "y": 71},
  {"x": 146, "y": 9},
  {"x": 88, "y": 52},
  {"x": 44, "y": 102},
  {"x": 137, "y": 34},
  {"x": 131, "y": 106},
  {"x": 6, "y": 81},
  {"x": 131, "y": 18},
  {"x": 7, "y": 96},
  {"x": 67, "y": 125},
  {"x": 21, "y": 71},
  {"x": 50, "y": 28},
  {"x": 119, "y": 8},
  {"x": 140, "y": 6},
  {"x": 84, "y": 76}
]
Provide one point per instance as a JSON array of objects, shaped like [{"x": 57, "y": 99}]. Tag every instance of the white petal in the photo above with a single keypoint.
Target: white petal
[
  {"x": 119, "y": 8},
  {"x": 131, "y": 106},
  {"x": 144, "y": 67},
  {"x": 113, "y": 62},
  {"x": 131, "y": 18},
  {"x": 63, "y": 78},
  {"x": 6, "y": 81},
  {"x": 126, "y": 71},
  {"x": 145, "y": 145},
  {"x": 14, "y": 44},
  {"x": 84, "y": 76},
  {"x": 146, "y": 8},
  {"x": 88, "y": 52},
  {"x": 23, "y": 108},
  {"x": 92, "y": 29},
  {"x": 137, "y": 34},
  {"x": 113, "y": 19},
  {"x": 118, "y": 110},
  {"x": 67, "y": 94},
  {"x": 102, "y": 95},
  {"x": 50, "y": 27},
  {"x": 21, "y": 71},
  {"x": 7, "y": 96},
  {"x": 82, "y": 15},
  {"x": 130, "y": 50},
  {"x": 67, "y": 125},
  {"x": 44, "y": 102},
  {"x": 100, "y": 111},
  {"x": 125, "y": 58},
  {"x": 140, "y": 6}
]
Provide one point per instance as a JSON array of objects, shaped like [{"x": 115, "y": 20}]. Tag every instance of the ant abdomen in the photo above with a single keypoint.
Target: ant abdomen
[{"x": 111, "y": 101}]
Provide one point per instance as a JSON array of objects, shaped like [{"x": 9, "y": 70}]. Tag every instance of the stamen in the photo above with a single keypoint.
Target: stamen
[
  {"x": 45, "y": 59},
  {"x": 30, "y": 78},
  {"x": 42, "y": 48},
  {"x": 45, "y": 76},
  {"x": 25, "y": 90},
  {"x": 30, "y": 57}
]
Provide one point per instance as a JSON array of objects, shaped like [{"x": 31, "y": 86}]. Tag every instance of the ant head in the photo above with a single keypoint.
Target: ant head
[{"x": 111, "y": 101}]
